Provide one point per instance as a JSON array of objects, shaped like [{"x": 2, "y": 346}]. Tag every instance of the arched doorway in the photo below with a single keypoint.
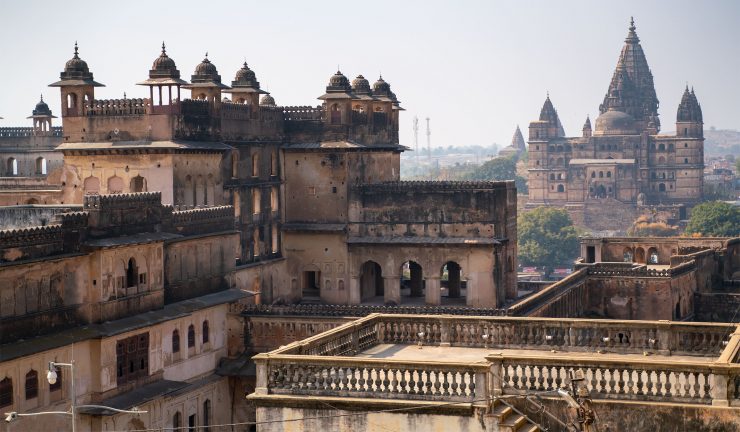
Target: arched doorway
[
  {"x": 115, "y": 185},
  {"x": 653, "y": 257},
  {"x": 371, "y": 281},
  {"x": 454, "y": 287},
  {"x": 628, "y": 255},
  {"x": 640, "y": 255},
  {"x": 91, "y": 186},
  {"x": 131, "y": 273},
  {"x": 412, "y": 280},
  {"x": 138, "y": 184}
]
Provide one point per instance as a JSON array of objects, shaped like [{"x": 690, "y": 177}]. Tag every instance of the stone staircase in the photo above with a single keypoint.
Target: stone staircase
[{"x": 511, "y": 421}]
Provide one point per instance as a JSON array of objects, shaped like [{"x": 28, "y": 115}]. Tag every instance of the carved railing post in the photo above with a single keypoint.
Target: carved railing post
[
  {"x": 355, "y": 340},
  {"x": 261, "y": 361},
  {"x": 718, "y": 383},
  {"x": 495, "y": 375},
  {"x": 444, "y": 326},
  {"x": 667, "y": 343}
]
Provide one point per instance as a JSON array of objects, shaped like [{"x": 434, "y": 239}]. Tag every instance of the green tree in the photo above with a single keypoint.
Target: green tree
[
  {"x": 498, "y": 168},
  {"x": 547, "y": 238},
  {"x": 714, "y": 219}
]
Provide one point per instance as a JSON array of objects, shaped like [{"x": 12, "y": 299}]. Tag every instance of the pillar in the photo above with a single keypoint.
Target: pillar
[
  {"x": 417, "y": 283},
  {"x": 392, "y": 290},
  {"x": 453, "y": 280},
  {"x": 355, "y": 296},
  {"x": 432, "y": 291}
]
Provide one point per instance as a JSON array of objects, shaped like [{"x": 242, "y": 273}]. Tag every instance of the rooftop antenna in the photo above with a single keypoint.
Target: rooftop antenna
[
  {"x": 416, "y": 137},
  {"x": 429, "y": 141}
]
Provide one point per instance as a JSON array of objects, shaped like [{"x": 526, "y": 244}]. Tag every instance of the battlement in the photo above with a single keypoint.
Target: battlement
[
  {"x": 194, "y": 107},
  {"x": 128, "y": 200},
  {"x": 236, "y": 111},
  {"x": 29, "y": 243},
  {"x": 117, "y": 107},
  {"x": 433, "y": 186},
  {"x": 303, "y": 112},
  {"x": 72, "y": 220},
  {"x": 197, "y": 215},
  {"x": 25, "y": 132}
]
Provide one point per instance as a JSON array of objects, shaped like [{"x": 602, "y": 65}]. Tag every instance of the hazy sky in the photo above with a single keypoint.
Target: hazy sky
[{"x": 477, "y": 69}]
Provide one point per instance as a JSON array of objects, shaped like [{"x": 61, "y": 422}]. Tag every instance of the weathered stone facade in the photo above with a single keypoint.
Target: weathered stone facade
[{"x": 623, "y": 161}]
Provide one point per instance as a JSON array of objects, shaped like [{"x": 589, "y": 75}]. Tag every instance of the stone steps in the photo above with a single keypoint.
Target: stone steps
[{"x": 510, "y": 421}]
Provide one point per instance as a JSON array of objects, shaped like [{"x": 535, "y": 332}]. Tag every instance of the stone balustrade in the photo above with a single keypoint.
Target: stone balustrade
[
  {"x": 117, "y": 107},
  {"x": 608, "y": 354}
]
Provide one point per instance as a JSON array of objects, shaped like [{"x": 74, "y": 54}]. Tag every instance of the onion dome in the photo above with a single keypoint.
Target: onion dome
[
  {"x": 360, "y": 85},
  {"x": 42, "y": 110},
  {"x": 164, "y": 71},
  {"x": 76, "y": 73},
  {"x": 615, "y": 122},
  {"x": 206, "y": 75},
  {"x": 245, "y": 81},
  {"x": 689, "y": 109},
  {"x": 267, "y": 100}
]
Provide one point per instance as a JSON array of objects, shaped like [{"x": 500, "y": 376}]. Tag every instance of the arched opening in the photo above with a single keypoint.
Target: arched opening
[
  {"x": 71, "y": 101},
  {"x": 175, "y": 341},
  {"x": 91, "y": 186},
  {"x": 640, "y": 255},
  {"x": 454, "y": 286},
  {"x": 191, "y": 336},
  {"x": 206, "y": 332},
  {"x": 200, "y": 191},
  {"x": 6, "y": 392},
  {"x": 255, "y": 165},
  {"x": 561, "y": 188},
  {"x": 210, "y": 198},
  {"x": 600, "y": 191},
  {"x": 138, "y": 184},
  {"x": 177, "y": 421},
  {"x": 115, "y": 185},
  {"x": 601, "y": 174},
  {"x": 608, "y": 174},
  {"x": 131, "y": 273},
  {"x": 40, "y": 166},
  {"x": 412, "y": 280},
  {"x": 593, "y": 174},
  {"x": 207, "y": 413},
  {"x": 32, "y": 384},
  {"x": 628, "y": 255},
  {"x": 12, "y": 167},
  {"x": 661, "y": 187},
  {"x": 677, "y": 312},
  {"x": 552, "y": 176},
  {"x": 661, "y": 160},
  {"x": 335, "y": 114},
  {"x": 653, "y": 257},
  {"x": 311, "y": 282},
  {"x": 661, "y": 147},
  {"x": 371, "y": 280}
]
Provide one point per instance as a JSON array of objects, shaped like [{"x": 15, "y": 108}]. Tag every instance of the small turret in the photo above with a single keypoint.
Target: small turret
[
  {"x": 205, "y": 83},
  {"x": 77, "y": 86},
  {"x": 548, "y": 126},
  {"x": 41, "y": 116},
  {"x": 587, "y": 128}
]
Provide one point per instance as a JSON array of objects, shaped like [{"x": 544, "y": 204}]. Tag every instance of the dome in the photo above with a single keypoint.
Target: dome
[
  {"x": 338, "y": 83},
  {"x": 206, "y": 72},
  {"x": 76, "y": 64},
  {"x": 245, "y": 74},
  {"x": 76, "y": 73},
  {"x": 164, "y": 66},
  {"x": 615, "y": 122},
  {"x": 267, "y": 100},
  {"x": 42, "y": 109},
  {"x": 381, "y": 88},
  {"x": 360, "y": 85}
]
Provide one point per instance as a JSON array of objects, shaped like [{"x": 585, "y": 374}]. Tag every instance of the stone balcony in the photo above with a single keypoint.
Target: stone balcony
[{"x": 471, "y": 362}]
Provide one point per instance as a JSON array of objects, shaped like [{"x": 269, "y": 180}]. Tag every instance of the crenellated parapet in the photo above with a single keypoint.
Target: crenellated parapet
[
  {"x": 203, "y": 220},
  {"x": 432, "y": 186},
  {"x": 30, "y": 243},
  {"x": 129, "y": 200},
  {"x": 122, "y": 214}
]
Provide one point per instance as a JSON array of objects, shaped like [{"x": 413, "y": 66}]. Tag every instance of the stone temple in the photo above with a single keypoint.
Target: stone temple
[{"x": 622, "y": 162}]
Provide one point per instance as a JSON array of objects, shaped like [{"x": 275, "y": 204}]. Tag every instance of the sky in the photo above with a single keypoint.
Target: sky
[{"x": 477, "y": 69}]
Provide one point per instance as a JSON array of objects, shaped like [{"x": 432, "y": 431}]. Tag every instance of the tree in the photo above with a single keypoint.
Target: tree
[
  {"x": 547, "y": 238},
  {"x": 715, "y": 219},
  {"x": 645, "y": 226},
  {"x": 498, "y": 168}
]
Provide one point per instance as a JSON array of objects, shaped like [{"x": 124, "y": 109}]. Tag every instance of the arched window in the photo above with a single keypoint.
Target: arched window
[
  {"x": 6, "y": 392},
  {"x": 32, "y": 384},
  {"x": 91, "y": 186},
  {"x": 593, "y": 174},
  {"x": 205, "y": 331},
  {"x": 661, "y": 160},
  {"x": 12, "y": 169},
  {"x": 685, "y": 160},
  {"x": 177, "y": 421},
  {"x": 627, "y": 255},
  {"x": 131, "y": 273},
  {"x": 335, "y": 114},
  {"x": 175, "y": 341},
  {"x": 653, "y": 256},
  {"x": 560, "y": 176},
  {"x": 661, "y": 147},
  {"x": 601, "y": 174},
  {"x": 561, "y": 188},
  {"x": 255, "y": 165},
  {"x": 608, "y": 174},
  {"x": 138, "y": 184},
  {"x": 191, "y": 336},
  {"x": 40, "y": 166},
  {"x": 115, "y": 185},
  {"x": 71, "y": 100},
  {"x": 207, "y": 412}
]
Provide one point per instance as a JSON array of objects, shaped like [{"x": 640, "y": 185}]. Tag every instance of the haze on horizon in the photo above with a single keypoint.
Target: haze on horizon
[{"x": 476, "y": 69}]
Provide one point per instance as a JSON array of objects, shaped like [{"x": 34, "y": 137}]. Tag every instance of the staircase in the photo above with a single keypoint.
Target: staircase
[{"x": 511, "y": 421}]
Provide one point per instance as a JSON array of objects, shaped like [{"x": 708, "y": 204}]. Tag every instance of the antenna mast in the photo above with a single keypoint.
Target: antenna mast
[
  {"x": 416, "y": 137},
  {"x": 429, "y": 140}
]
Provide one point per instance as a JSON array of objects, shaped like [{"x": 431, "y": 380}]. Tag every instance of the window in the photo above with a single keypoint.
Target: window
[
  {"x": 132, "y": 358},
  {"x": 12, "y": 167},
  {"x": 131, "y": 273},
  {"x": 175, "y": 341},
  {"x": 191, "y": 336},
  {"x": 6, "y": 392},
  {"x": 685, "y": 160},
  {"x": 207, "y": 413},
  {"x": 256, "y": 201},
  {"x": 274, "y": 163},
  {"x": 601, "y": 174},
  {"x": 561, "y": 188},
  {"x": 274, "y": 198},
  {"x": 177, "y": 421},
  {"x": 57, "y": 385},
  {"x": 191, "y": 422},
  {"x": 608, "y": 174},
  {"x": 593, "y": 174},
  {"x": 40, "y": 166},
  {"x": 205, "y": 331},
  {"x": 32, "y": 384},
  {"x": 552, "y": 176},
  {"x": 255, "y": 165}
]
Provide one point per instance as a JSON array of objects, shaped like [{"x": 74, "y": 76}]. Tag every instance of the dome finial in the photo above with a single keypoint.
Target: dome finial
[
  {"x": 206, "y": 54},
  {"x": 164, "y": 51},
  {"x": 632, "y": 24},
  {"x": 42, "y": 97},
  {"x": 76, "y": 56}
]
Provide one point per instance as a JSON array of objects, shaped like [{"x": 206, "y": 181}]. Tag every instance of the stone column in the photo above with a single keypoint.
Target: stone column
[
  {"x": 433, "y": 295},
  {"x": 392, "y": 289},
  {"x": 417, "y": 283},
  {"x": 355, "y": 296}
]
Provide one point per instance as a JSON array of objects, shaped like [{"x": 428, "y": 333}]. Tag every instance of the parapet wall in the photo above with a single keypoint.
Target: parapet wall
[
  {"x": 199, "y": 220},
  {"x": 30, "y": 243}
]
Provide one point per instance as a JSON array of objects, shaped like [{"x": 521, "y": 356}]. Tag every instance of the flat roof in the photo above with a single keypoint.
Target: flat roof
[{"x": 601, "y": 161}]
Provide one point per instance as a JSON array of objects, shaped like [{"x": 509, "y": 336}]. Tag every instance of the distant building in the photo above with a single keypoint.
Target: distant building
[
  {"x": 517, "y": 146},
  {"x": 623, "y": 161}
]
